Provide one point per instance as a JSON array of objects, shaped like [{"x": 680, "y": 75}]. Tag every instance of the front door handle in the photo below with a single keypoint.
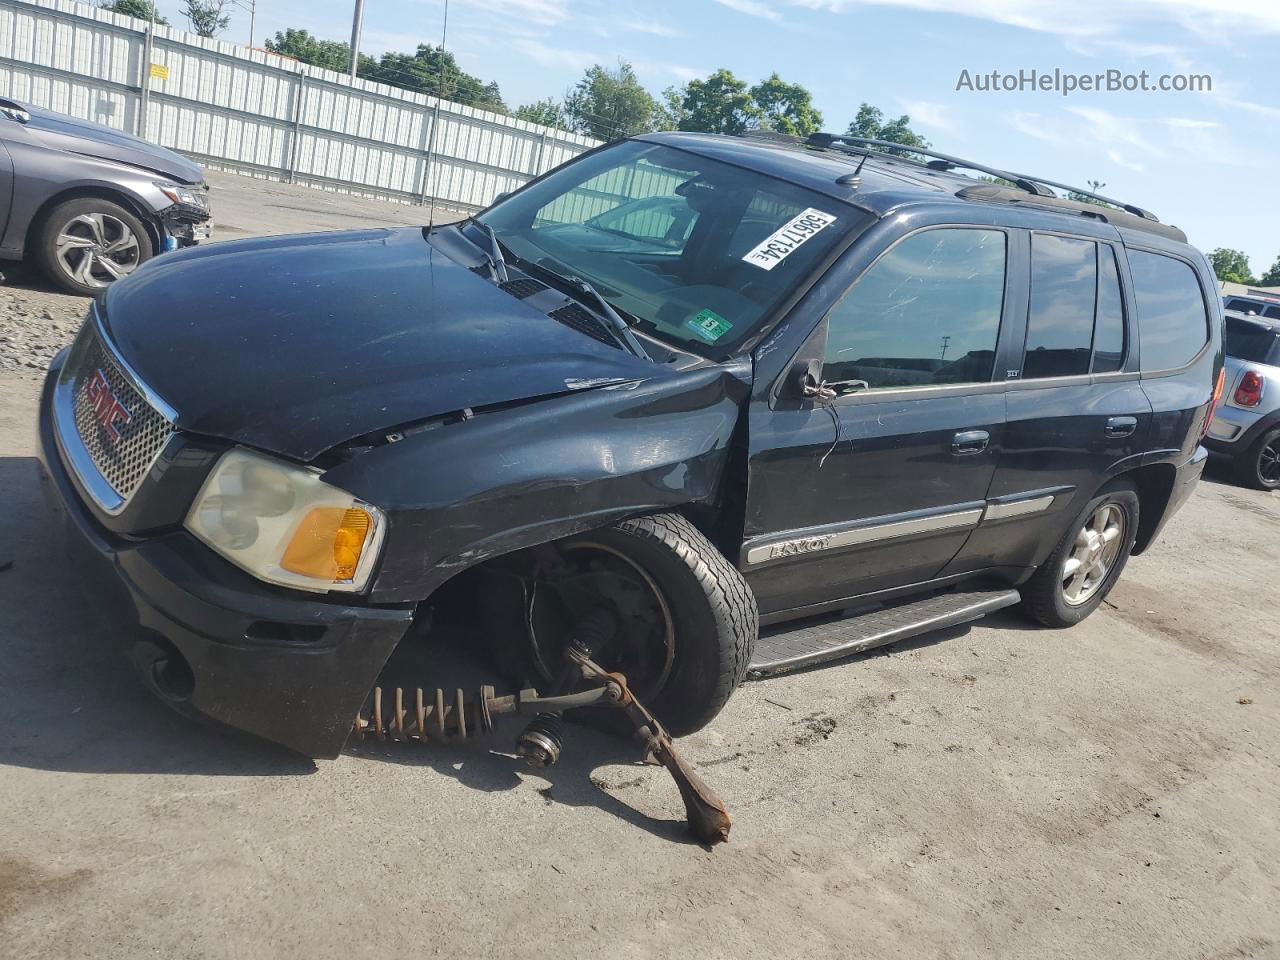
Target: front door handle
[
  {"x": 1121, "y": 426},
  {"x": 969, "y": 441}
]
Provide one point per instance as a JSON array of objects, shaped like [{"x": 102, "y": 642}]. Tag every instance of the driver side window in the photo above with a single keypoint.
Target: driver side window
[{"x": 926, "y": 313}]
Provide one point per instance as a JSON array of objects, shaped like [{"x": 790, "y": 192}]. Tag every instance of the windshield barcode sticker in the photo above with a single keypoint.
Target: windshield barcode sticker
[{"x": 788, "y": 238}]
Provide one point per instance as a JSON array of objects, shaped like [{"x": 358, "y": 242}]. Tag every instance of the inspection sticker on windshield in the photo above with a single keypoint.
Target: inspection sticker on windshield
[
  {"x": 788, "y": 238},
  {"x": 708, "y": 325}
]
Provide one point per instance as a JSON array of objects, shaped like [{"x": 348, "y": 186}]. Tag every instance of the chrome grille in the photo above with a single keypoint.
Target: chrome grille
[{"x": 121, "y": 431}]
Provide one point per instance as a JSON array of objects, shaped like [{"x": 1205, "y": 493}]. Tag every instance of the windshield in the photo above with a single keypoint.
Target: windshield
[{"x": 698, "y": 251}]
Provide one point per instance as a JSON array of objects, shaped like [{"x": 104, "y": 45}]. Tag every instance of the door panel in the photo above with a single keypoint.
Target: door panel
[
  {"x": 881, "y": 483},
  {"x": 1056, "y": 443},
  {"x": 889, "y": 504},
  {"x": 1079, "y": 415}
]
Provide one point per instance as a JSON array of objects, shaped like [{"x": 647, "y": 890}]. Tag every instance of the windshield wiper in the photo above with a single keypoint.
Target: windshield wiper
[
  {"x": 620, "y": 329},
  {"x": 497, "y": 263},
  {"x": 609, "y": 317}
]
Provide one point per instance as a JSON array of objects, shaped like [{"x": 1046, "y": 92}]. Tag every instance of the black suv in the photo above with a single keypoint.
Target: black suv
[{"x": 783, "y": 381}]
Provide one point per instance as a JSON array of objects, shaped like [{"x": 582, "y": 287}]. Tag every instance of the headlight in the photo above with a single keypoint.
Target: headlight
[
  {"x": 181, "y": 193},
  {"x": 285, "y": 525}
]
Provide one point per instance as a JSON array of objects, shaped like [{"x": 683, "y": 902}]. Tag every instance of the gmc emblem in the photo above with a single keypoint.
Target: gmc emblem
[{"x": 110, "y": 413}]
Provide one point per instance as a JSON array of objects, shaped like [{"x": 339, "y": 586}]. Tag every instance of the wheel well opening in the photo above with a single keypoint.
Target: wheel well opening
[
  {"x": 94, "y": 193},
  {"x": 1155, "y": 487},
  {"x": 508, "y": 620}
]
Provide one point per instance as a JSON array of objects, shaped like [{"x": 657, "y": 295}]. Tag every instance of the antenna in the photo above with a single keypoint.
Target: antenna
[{"x": 435, "y": 119}]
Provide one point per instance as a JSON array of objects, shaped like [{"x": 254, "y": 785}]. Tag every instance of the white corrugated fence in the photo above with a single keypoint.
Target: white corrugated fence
[{"x": 246, "y": 109}]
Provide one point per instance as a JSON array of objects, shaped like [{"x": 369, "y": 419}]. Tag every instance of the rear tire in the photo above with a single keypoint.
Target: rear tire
[
  {"x": 84, "y": 244},
  {"x": 1259, "y": 466},
  {"x": 1085, "y": 564}
]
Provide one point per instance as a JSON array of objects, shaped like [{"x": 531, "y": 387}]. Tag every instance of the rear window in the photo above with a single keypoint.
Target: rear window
[
  {"x": 1255, "y": 342},
  {"x": 1173, "y": 323}
]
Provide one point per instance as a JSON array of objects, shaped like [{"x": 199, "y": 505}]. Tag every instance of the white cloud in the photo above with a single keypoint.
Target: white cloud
[
  {"x": 753, "y": 8},
  {"x": 549, "y": 56},
  {"x": 1033, "y": 125},
  {"x": 1177, "y": 57},
  {"x": 1120, "y": 137},
  {"x": 928, "y": 114},
  {"x": 652, "y": 27},
  {"x": 1216, "y": 19},
  {"x": 1257, "y": 108}
]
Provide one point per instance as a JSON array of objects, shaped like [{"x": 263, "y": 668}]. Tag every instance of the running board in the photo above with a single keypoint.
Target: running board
[{"x": 787, "y": 650}]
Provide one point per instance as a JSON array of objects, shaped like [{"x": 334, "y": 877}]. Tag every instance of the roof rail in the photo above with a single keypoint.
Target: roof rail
[{"x": 1037, "y": 186}]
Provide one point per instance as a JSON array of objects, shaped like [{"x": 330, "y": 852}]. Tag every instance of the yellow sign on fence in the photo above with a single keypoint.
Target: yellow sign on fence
[{"x": 160, "y": 71}]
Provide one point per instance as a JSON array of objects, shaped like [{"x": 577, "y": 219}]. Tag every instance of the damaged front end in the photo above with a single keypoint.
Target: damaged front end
[{"x": 188, "y": 220}]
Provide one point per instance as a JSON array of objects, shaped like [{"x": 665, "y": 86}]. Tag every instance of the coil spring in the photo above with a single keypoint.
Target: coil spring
[{"x": 424, "y": 720}]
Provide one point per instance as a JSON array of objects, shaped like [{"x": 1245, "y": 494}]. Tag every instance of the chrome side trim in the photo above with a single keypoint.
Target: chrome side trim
[
  {"x": 872, "y": 533},
  {"x": 1018, "y": 508}
]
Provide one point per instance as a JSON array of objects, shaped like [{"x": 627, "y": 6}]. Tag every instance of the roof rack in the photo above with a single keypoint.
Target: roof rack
[{"x": 1036, "y": 186}]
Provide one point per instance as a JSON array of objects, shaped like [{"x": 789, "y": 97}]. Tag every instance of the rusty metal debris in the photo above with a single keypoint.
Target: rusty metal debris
[{"x": 416, "y": 717}]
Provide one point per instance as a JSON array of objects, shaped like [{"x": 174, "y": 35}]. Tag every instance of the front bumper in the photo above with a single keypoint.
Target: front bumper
[{"x": 292, "y": 670}]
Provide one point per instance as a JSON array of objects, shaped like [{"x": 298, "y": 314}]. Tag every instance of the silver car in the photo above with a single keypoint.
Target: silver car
[
  {"x": 1246, "y": 426},
  {"x": 89, "y": 203}
]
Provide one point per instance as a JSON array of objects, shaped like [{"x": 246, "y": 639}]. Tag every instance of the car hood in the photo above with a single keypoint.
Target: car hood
[
  {"x": 60, "y": 132},
  {"x": 297, "y": 344}
]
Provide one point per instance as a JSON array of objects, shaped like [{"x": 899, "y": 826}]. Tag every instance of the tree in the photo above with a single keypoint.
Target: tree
[
  {"x": 546, "y": 112},
  {"x": 1272, "y": 277},
  {"x": 1231, "y": 266},
  {"x": 870, "y": 123},
  {"x": 434, "y": 71},
  {"x": 302, "y": 46},
  {"x": 786, "y": 107},
  {"x": 206, "y": 16},
  {"x": 1094, "y": 187},
  {"x": 719, "y": 104},
  {"x": 670, "y": 109},
  {"x": 610, "y": 104},
  {"x": 142, "y": 9}
]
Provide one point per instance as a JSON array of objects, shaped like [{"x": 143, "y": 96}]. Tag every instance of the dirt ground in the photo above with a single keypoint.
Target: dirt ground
[{"x": 992, "y": 791}]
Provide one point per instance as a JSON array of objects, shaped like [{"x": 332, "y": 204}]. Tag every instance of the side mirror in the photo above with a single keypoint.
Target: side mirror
[{"x": 804, "y": 381}]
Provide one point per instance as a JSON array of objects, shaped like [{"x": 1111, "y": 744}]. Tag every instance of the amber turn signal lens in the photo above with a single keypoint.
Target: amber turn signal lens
[{"x": 328, "y": 543}]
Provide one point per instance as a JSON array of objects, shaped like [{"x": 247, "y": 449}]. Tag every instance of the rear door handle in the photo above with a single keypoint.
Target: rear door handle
[
  {"x": 1121, "y": 426},
  {"x": 969, "y": 441}
]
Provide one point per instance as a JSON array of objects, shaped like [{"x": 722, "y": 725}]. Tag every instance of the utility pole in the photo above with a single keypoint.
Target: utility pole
[{"x": 356, "y": 22}]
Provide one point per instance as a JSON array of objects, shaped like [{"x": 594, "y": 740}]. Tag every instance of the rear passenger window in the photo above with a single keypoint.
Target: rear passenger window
[
  {"x": 925, "y": 313},
  {"x": 1109, "y": 329},
  {"x": 1173, "y": 323},
  {"x": 1064, "y": 290}
]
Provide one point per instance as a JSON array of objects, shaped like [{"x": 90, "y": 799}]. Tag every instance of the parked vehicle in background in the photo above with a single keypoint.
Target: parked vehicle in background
[
  {"x": 812, "y": 380},
  {"x": 90, "y": 204},
  {"x": 1246, "y": 427},
  {"x": 1258, "y": 305}
]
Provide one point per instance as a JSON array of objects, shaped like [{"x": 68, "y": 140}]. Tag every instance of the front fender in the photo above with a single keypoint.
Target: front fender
[{"x": 517, "y": 477}]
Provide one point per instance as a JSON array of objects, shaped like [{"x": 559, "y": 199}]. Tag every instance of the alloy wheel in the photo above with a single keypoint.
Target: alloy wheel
[
  {"x": 1269, "y": 463},
  {"x": 1094, "y": 553},
  {"x": 97, "y": 248}
]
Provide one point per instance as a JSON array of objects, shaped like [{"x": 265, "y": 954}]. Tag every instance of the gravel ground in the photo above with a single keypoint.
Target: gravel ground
[{"x": 993, "y": 791}]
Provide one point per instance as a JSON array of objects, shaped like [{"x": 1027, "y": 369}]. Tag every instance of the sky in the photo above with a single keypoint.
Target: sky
[{"x": 1206, "y": 161}]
